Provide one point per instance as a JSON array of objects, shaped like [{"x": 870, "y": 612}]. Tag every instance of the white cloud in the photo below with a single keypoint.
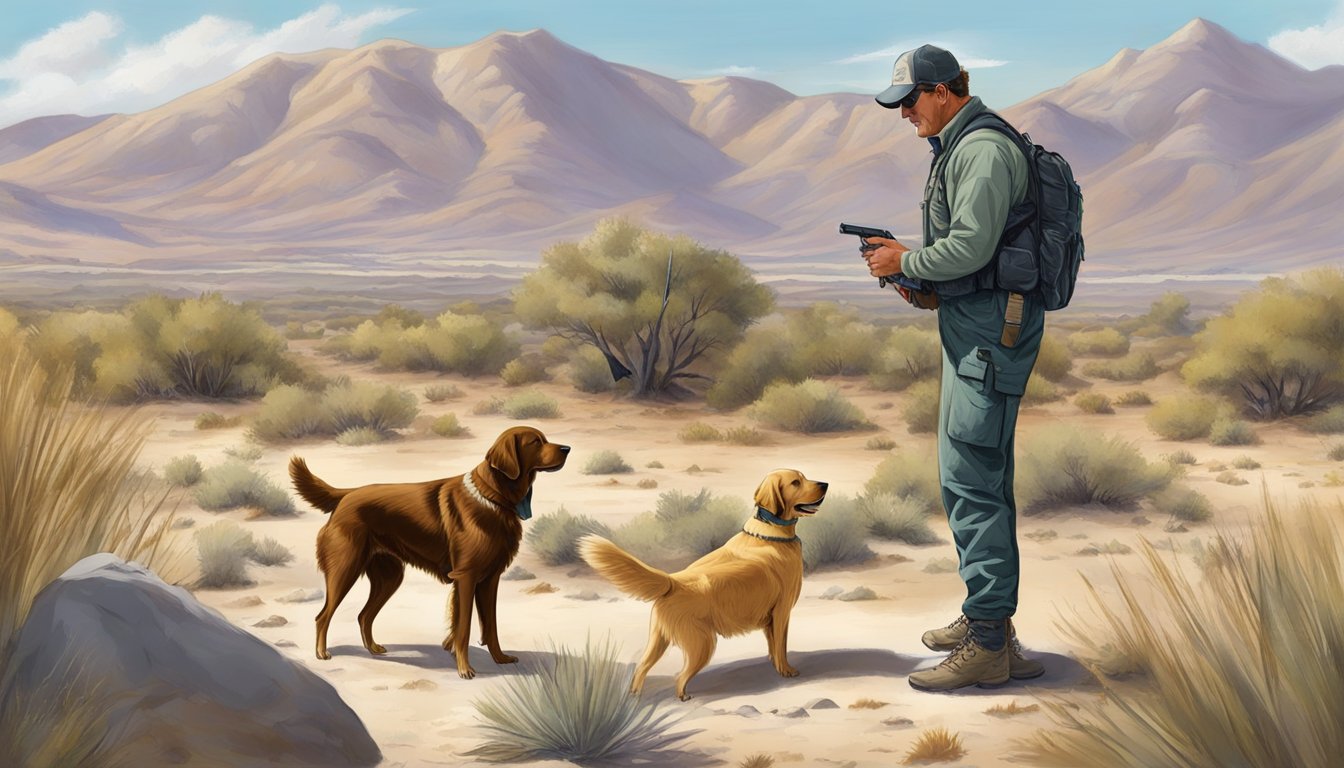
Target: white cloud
[
  {"x": 735, "y": 71},
  {"x": 1313, "y": 47},
  {"x": 84, "y": 66},
  {"x": 889, "y": 54}
]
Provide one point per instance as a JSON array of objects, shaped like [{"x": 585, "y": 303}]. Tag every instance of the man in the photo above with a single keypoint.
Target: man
[{"x": 988, "y": 353}]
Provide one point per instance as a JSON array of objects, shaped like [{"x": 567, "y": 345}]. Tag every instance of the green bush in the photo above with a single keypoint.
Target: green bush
[
  {"x": 1135, "y": 366},
  {"x": 1330, "y": 421},
  {"x": 809, "y": 407},
  {"x": 1072, "y": 467},
  {"x": 682, "y": 527},
  {"x": 1230, "y": 478},
  {"x": 574, "y": 707},
  {"x": 1107, "y": 342},
  {"x": 1054, "y": 361},
  {"x": 920, "y": 410},
  {"x": 1181, "y": 456},
  {"x": 837, "y": 536},
  {"x": 606, "y": 463},
  {"x": 437, "y": 393},
  {"x": 528, "y": 369},
  {"x": 910, "y": 355},
  {"x": 212, "y": 420},
  {"x": 555, "y": 537},
  {"x": 1134, "y": 397},
  {"x": 223, "y": 549},
  {"x": 290, "y": 413},
  {"x": 745, "y": 436},
  {"x": 1093, "y": 402},
  {"x": 472, "y": 345},
  {"x": 270, "y": 552},
  {"x": 297, "y": 331},
  {"x": 647, "y": 483},
  {"x": 448, "y": 426},
  {"x": 880, "y": 444},
  {"x": 356, "y": 436},
  {"x": 910, "y": 476},
  {"x": 488, "y": 407},
  {"x": 1183, "y": 503},
  {"x": 234, "y": 485},
  {"x": 830, "y": 340},
  {"x": 589, "y": 371},
  {"x": 530, "y": 405},
  {"x": 1040, "y": 391},
  {"x": 247, "y": 453},
  {"x": 699, "y": 432},
  {"x": 1184, "y": 417},
  {"x": 1245, "y": 462},
  {"x": 183, "y": 471},
  {"x": 1232, "y": 432},
  {"x": 765, "y": 357},
  {"x": 894, "y": 518}
]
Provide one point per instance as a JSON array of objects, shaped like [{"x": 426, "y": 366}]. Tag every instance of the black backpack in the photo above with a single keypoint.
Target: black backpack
[{"x": 1042, "y": 245}]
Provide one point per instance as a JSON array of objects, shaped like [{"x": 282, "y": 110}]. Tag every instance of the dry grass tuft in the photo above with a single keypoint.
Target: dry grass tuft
[
  {"x": 936, "y": 745},
  {"x": 759, "y": 760},
  {"x": 1011, "y": 709},
  {"x": 868, "y": 704}
]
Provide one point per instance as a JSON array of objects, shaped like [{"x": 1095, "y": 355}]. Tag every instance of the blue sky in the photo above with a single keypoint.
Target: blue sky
[{"x": 94, "y": 56}]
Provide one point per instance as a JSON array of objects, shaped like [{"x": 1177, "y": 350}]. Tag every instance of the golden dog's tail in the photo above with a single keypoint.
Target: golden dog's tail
[
  {"x": 314, "y": 491},
  {"x": 625, "y": 571}
]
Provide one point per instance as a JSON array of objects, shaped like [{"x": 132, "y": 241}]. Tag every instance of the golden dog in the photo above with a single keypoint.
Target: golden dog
[
  {"x": 751, "y": 582},
  {"x": 463, "y": 530}
]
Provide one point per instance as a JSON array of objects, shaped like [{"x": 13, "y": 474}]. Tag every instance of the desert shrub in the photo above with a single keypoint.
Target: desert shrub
[
  {"x": 1134, "y": 397},
  {"x": 530, "y": 405},
  {"x": 909, "y": 355},
  {"x": 590, "y": 372},
  {"x": 182, "y": 471},
  {"x": 1232, "y": 432},
  {"x": 699, "y": 432},
  {"x": 247, "y": 453},
  {"x": 1277, "y": 349},
  {"x": 1054, "y": 361},
  {"x": 223, "y": 549},
  {"x": 472, "y": 345},
  {"x": 647, "y": 483},
  {"x": 270, "y": 552},
  {"x": 1335, "y": 452},
  {"x": 1168, "y": 315},
  {"x": 1073, "y": 467},
  {"x": 935, "y": 745},
  {"x": 1183, "y": 503},
  {"x": 765, "y": 357},
  {"x": 356, "y": 436},
  {"x": 830, "y": 340},
  {"x": 879, "y": 444},
  {"x": 1245, "y": 462},
  {"x": 234, "y": 485},
  {"x": 1107, "y": 342},
  {"x": 1093, "y": 402},
  {"x": 746, "y": 436},
  {"x": 575, "y": 707},
  {"x": 555, "y": 537},
  {"x": 921, "y": 406},
  {"x": 288, "y": 413},
  {"x": 682, "y": 527},
  {"x": 1183, "y": 417},
  {"x": 448, "y": 426},
  {"x": 297, "y": 331},
  {"x": 378, "y": 407},
  {"x": 437, "y": 393},
  {"x": 212, "y": 420},
  {"x": 1040, "y": 390},
  {"x": 606, "y": 463},
  {"x": 907, "y": 476},
  {"x": 1135, "y": 366},
  {"x": 1181, "y": 456},
  {"x": 488, "y": 407},
  {"x": 895, "y": 518},
  {"x": 528, "y": 369},
  {"x": 808, "y": 407},
  {"x": 1329, "y": 421},
  {"x": 655, "y": 464},
  {"x": 1230, "y": 478},
  {"x": 837, "y": 537},
  {"x": 1247, "y": 685},
  {"x": 1333, "y": 479}
]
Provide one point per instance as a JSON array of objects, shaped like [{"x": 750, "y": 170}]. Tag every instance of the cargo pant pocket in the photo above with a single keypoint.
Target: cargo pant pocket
[{"x": 976, "y": 411}]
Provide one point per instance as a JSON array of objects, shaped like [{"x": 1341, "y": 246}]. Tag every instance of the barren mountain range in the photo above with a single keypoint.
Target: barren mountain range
[{"x": 1202, "y": 154}]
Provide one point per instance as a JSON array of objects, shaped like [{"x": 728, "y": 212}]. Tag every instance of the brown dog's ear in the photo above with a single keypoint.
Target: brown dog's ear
[
  {"x": 503, "y": 456},
  {"x": 769, "y": 495}
]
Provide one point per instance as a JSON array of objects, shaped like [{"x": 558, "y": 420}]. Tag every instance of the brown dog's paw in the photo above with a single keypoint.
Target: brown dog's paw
[
  {"x": 324, "y": 654},
  {"x": 376, "y": 649}
]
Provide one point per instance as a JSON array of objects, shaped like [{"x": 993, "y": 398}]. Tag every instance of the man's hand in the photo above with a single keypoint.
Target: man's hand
[{"x": 885, "y": 259}]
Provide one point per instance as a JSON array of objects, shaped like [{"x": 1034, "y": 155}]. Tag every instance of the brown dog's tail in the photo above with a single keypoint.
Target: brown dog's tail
[
  {"x": 625, "y": 571},
  {"x": 314, "y": 491}
]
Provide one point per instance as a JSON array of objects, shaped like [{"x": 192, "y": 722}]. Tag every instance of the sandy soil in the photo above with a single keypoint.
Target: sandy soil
[{"x": 421, "y": 713}]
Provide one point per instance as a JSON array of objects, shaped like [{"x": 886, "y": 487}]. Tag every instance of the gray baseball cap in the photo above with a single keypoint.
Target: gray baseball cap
[{"x": 925, "y": 65}]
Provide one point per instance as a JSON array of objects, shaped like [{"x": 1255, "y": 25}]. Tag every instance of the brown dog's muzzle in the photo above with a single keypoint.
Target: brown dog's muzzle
[{"x": 553, "y": 457}]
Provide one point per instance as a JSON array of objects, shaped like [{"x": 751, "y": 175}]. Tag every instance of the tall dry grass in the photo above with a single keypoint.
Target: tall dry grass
[
  {"x": 1239, "y": 669},
  {"x": 68, "y": 489}
]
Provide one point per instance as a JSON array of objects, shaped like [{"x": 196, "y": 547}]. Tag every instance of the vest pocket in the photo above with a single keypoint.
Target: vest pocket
[{"x": 976, "y": 411}]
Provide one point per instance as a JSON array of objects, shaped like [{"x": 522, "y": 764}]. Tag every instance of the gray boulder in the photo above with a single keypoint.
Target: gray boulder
[{"x": 182, "y": 686}]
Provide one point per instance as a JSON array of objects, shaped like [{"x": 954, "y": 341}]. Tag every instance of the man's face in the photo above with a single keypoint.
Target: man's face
[{"x": 930, "y": 112}]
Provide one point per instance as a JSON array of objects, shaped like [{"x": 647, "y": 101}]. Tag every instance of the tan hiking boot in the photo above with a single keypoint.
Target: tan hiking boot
[
  {"x": 949, "y": 637},
  {"x": 968, "y": 664}
]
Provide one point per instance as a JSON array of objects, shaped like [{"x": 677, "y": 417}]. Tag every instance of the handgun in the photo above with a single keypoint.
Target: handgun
[{"x": 864, "y": 233}]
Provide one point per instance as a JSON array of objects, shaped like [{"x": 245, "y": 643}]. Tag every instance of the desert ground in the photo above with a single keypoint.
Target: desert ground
[{"x": 421, "y": 713}]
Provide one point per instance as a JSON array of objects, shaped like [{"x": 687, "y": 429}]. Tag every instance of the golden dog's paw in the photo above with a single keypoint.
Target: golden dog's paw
[
  {"x": 324, "y": 654},
  {"x": 466, "y": 673},
  {"x": 448, "y": 644},
  {"x": 504, "y": 658},
  {"x": 788, "y": 671}
]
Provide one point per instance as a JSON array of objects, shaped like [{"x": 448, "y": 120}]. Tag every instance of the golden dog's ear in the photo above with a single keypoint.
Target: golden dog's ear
[
  {"x": 770, "y": 495},
  {"x": 503, "y": 456}
]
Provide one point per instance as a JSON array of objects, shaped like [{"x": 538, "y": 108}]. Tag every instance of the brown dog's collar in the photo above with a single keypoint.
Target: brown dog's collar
[{"x": 475, "y": 492}]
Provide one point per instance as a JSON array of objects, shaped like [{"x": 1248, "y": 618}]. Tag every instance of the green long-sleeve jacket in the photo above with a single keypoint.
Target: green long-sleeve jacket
[{"x": 986, "y": 175}]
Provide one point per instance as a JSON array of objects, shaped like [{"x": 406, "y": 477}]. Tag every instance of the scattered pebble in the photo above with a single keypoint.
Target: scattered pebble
[
  {"x": 1140, "y": 520},
  {"x": 746, "y": 710},
  {"x": 420, "y": 685},
  {"x": 899, "y": 722},
  {"x": 183, "y": 522},
  {"x": 251, "y": 601},
  {"x": 858, "y": 593},
  {"x": 302, "y": 596},
  {"x": 518, "y": 573},
  {"x": 822, "y": 704},
  {"x": 286, "y": 644},
  {"x": 832, "y": 592},
  {"x": 272, "y": 621},
  {"x": 793, "y": 712},
  {"x": 587, "y": 595}
]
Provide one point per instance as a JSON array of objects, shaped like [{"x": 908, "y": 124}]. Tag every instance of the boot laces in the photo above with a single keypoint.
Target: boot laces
[{"x": 966, "y": 649}]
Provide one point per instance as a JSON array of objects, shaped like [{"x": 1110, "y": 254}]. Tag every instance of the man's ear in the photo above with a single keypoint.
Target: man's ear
[
  {"x": 769, "y": 495},
  {"x": 503, "y": 456}
]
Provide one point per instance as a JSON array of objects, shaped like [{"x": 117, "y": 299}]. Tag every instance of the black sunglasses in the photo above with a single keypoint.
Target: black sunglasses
[{"x": 910, "y": 98}]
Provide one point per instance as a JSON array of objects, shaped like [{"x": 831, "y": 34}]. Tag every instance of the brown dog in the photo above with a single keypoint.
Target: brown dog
[
  {"x": 751, "y": 582},
  {"x": 464, "y": 530}
]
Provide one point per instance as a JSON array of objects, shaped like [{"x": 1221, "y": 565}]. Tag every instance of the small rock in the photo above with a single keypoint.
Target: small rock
[
  {"x": 286, "y": 644},
  {"x": 1140, "y": 520},
  {"x": 420, "y": 685},
  {"x": 575, "y": 573},
  {"x": 183, "y": 522},
  {"x": 272, "y": 621},
  {"x": 858, "y": 593},
  {"x": 251, "y": 601},
  {"x": 544, "y": 588},
  {"x": 694, "y": 468},
  {"x": 1175, "y": 527},
  {"x": 302, "y": 596},
  {"x": 518, "y": 573},
  {"x": 746, "y": 710},
  {"x": 831, "y": 593},
  {"x": 822, "y": 704},
  {"x": 793, "y": 712},
  {"x": 899, "y": 722},
  {"x": 380, "y": 687},
  {"x": 587, "y": 595}
]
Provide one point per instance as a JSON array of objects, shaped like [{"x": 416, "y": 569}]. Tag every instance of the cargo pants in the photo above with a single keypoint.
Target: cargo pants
[{"x": 982, "y": 385}]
